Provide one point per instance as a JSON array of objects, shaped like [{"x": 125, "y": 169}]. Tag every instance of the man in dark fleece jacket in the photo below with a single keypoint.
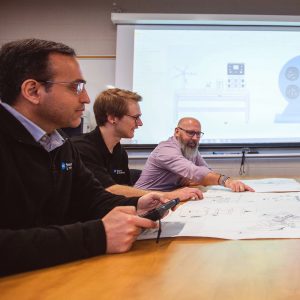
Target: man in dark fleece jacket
[{"x": 52, "y": 209}]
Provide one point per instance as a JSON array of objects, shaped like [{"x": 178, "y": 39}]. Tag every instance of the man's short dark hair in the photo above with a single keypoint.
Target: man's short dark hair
[
  {"x": 26, "y": 59},
  {"x": 113, "y": 102}
]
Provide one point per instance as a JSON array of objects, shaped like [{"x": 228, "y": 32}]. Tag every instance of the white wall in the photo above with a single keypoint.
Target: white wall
[{"x": 99, "y": 74}]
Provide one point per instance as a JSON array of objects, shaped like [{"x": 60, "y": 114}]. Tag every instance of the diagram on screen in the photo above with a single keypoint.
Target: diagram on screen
[
  {"x": 236, "y": 75},
  {"x": 289, "y": 84},
  {"x": 183, "y": 73},
  {"x": 226, "y": 99}
]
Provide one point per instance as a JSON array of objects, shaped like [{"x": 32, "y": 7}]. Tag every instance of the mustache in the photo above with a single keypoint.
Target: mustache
[{"x": 192, "y": 144}]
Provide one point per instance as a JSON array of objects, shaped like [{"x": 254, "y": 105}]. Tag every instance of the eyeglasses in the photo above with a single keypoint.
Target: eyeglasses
[
  {"x": 78, "y": 86},
  {"x": 136, "y": 118},
  {"x": 191, "y": 133}
]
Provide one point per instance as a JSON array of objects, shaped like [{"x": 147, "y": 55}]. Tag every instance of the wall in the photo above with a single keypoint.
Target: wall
[
  {"x": 87, "y": 27},
  {"x": 84, "y": 25},
  {"x": 99, "y": 74}
]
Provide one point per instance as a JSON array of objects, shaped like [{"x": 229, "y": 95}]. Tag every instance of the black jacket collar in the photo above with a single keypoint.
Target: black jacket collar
[
  {"x": 97, "y": 136},
  {"x": 11, "y": 126}
]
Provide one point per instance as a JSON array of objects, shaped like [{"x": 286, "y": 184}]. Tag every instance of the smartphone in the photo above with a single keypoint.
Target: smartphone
[{"x": 158, "y": 212}]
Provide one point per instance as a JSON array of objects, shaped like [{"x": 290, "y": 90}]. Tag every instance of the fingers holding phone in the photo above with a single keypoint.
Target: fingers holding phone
[{"x": 122, "y": 226}]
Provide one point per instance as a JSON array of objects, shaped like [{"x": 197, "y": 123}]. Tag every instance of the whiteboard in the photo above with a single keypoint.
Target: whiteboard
[{"x": 99, "y": 72}]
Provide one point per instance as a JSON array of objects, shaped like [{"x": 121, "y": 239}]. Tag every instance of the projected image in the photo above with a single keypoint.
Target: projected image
[
  {"x": 289, "y": 83},
  {"x": 183, "y": 74},
  {"x": 231, "y": 97},
  {"x": 236, "y": 75},
  {"x": 227, "y": 77}
]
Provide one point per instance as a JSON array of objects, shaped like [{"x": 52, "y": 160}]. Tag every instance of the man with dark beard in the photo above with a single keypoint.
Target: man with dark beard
[{"x": 176, "y": 162}]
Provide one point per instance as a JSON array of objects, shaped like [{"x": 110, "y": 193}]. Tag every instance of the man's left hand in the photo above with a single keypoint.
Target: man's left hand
[
  {"x": 237, "y": 186},
  {"x": 150, "y": 201}
]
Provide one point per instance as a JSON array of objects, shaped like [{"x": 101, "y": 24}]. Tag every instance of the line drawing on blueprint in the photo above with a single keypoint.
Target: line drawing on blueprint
[
  {"x": 213, "y": 211},
  {"x": 236, "y": 216},
  {"x": 285, "y": 220}
]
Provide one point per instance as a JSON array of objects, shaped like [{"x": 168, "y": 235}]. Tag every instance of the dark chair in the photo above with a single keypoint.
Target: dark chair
[
  {"x": 134, "y": 175},
  {"x": 73, "y": 131}
]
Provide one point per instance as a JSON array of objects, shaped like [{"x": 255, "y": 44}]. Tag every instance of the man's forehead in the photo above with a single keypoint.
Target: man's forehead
[
  {"x": 64, "y": 65},
  {"x": 133, "y": 106},
  {"x": 190, "y": 123}
]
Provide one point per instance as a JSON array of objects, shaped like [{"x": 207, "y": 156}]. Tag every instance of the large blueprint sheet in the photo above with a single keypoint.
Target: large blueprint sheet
[
  {"x": 229, "y": 215},
  {"x": 267, "y": 185}
]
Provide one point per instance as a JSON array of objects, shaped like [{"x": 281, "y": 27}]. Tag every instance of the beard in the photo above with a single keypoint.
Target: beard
[{"x": 189, "y": 150}]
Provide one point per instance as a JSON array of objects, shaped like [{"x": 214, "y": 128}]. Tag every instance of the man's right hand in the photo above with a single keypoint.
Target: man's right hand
[{"x": 122, "y": 226}]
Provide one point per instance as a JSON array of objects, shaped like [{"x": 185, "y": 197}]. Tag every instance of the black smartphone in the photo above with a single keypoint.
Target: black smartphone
[{"x": 158, "y": 212}]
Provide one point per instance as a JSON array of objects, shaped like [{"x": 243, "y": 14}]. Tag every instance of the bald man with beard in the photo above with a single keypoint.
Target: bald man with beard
[{"x": 177, "y": 162}]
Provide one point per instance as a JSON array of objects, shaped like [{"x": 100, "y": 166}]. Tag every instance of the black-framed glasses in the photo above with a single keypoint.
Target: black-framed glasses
[
  {"x": 78, "y": 86},
  {"x": 191, "y": 133},
  {"x": 136, "y": 118}
]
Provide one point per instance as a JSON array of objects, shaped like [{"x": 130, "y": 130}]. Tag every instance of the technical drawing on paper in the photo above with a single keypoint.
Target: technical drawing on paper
[{"x": 236, "y": 216}]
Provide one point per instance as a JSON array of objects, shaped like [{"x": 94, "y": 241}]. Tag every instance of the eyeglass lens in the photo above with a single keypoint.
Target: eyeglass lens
[
  {"x": 80, "y": 87},
  {"x": 136, "y": 118},
  {"x": 191, "y": 133}
]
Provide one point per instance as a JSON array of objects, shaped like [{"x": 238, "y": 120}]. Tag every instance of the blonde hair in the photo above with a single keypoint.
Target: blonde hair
[{"x": 113, "y": 102}]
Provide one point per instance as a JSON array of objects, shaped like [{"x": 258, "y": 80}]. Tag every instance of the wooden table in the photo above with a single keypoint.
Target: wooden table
[{"x": 178, "y": 268}]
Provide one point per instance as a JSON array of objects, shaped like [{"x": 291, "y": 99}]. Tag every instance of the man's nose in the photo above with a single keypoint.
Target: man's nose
[
  {"x": 84, "y": 97},
  {"x": 140, "y": 123}
]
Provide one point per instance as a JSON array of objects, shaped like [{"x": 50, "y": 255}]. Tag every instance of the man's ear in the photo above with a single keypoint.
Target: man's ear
[
  {"x": 30, "y": 90},
  {"x": 111, "y": 119}
]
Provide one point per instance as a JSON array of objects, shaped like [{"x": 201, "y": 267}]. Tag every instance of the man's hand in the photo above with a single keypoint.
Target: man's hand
[
  {"x": 185, "y": 193},
  {"x": 237, "y": 186},
  {"x": 150, "y": 201},
  {"x": 122, "y": 226}
]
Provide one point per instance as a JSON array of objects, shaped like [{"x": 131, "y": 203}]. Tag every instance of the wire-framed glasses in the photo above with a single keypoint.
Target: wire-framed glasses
[{"x": 78, "y": 86}]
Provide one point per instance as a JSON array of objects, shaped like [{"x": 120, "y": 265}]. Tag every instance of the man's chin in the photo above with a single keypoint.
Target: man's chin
[
  {"x": 131, "y": 135},
  {"x": 75, "y": 123},
  {"x": 190, "y": 152}
]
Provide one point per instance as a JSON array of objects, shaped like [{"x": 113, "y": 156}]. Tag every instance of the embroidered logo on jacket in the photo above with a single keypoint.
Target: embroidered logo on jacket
[
  {"x": 119, "y": 172},
  {"x": 65, "y": 166}
]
